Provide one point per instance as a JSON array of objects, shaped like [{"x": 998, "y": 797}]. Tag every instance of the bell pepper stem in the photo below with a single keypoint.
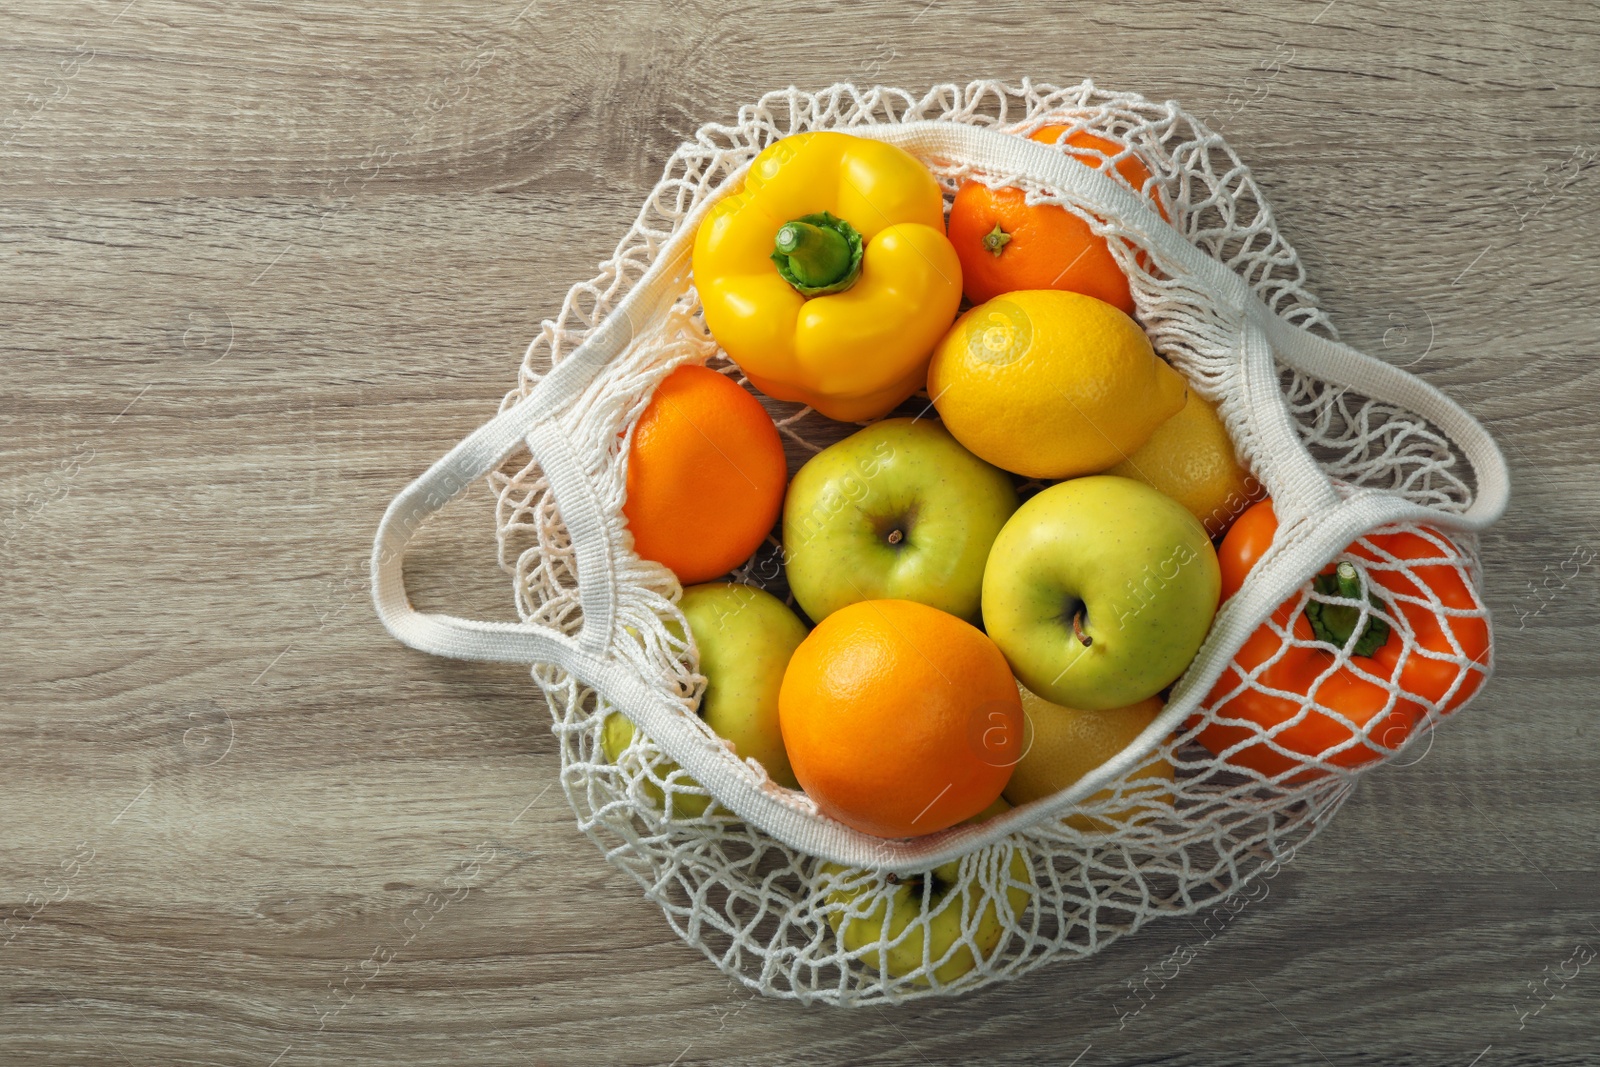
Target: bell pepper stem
[
  {"x": 1349, "y": 580},
  {"x": 818, "y": 254},
  {"x": 1337, "y": 623}
]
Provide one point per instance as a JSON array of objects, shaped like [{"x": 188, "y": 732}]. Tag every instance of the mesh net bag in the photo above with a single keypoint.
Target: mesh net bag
[{"x": 1352, "y": 451}]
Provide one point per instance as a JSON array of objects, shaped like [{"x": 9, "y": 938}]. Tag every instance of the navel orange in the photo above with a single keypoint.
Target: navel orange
[
  {"x": 706, "y": 475},
  {"x": 900, "y": 719}
]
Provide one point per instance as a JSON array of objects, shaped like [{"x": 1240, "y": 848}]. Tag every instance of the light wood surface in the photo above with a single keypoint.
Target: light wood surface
[{"x": 261, "y": 263}]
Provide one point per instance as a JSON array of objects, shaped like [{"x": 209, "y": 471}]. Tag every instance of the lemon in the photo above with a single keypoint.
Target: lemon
[
  {"x": 1064, "y": 744},
  {"x": 1190, "y": 458},
  {"x": 1051, "y": 384}
]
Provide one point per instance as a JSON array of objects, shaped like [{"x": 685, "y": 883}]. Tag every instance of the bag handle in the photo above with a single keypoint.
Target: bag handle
[
  {"x": 1304, "y": 488},
  {"x": 528, "y": 421},
  {"x": 1340, "y": 364},
  {"x": 447, "y": 635}
]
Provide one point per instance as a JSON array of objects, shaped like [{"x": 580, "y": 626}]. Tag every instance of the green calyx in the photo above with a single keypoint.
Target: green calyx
[
  {"x": 1334, "y": 623},
  {"x": 818, "y": 254},
  {"x": 996, "y": 240}
]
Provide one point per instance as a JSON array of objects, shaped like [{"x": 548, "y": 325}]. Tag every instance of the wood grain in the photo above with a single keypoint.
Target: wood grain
[{"x": 261, "y": 263}]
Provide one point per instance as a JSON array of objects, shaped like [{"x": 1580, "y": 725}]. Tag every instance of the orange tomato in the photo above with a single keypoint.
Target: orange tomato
[
  {"x": 1006, "y": 245},
  {"x": 706, "y": 474}
]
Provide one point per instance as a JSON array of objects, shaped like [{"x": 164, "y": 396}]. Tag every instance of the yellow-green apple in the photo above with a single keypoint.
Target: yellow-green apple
[
  {"x": 745, "y": 637},
  {"x": 898, "y": 511},
  {"x": 1064, "y": 744},
  {"x": 1099, "y": 591},
  {"x": 892, "y": 920}
]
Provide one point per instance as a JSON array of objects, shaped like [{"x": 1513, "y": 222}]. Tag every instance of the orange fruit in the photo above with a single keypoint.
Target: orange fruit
[
  {"x": 900, "y": 719},
  {"x": 706, "y": 475},
  {"x": 1005, "y": 244}
]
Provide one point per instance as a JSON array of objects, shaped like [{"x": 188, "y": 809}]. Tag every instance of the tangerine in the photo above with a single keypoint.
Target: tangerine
[
  {"x": 900, "y": 719},
  {"x": 1006, "y": 244},
  {"x": 706, "y": 474}
]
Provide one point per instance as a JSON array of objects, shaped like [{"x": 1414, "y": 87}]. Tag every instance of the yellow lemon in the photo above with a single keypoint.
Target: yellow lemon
[
  {"x": 1051, "y": 384},
  {"x": 1191, "y": 459},
  {"x": 1068, "y": 743}
]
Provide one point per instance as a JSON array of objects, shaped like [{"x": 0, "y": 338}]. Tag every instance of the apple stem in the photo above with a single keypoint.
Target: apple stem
[
  {"x": 896, "y": 536},
  {"x": 1077, "y": 629},
  {"x": 915, "y": 881}
]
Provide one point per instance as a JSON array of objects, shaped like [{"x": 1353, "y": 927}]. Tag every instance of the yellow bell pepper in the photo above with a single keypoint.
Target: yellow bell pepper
[{"x": 828, "y": 278}]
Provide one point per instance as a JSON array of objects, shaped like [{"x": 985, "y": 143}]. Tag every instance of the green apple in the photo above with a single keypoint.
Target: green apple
[
  {"x": 898, "y": 511},
  {"x": 1099, "y": 591},
  {"x": 745, "y": 637},
  {"x": 867, "y": 908}
]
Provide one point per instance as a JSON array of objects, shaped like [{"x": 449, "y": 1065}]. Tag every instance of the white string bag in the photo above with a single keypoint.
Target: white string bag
[{"x": 1343, "y": 443}]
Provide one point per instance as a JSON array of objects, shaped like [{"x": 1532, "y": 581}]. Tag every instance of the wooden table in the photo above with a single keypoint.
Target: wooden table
[{"x": 261, "y": 263}]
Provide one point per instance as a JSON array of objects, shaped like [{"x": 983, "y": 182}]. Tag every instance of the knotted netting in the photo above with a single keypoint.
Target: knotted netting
[{"x": 1352, "y": 452}]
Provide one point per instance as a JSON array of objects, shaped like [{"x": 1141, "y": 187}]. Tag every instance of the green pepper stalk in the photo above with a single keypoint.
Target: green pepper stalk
[
  {"x": 1334, "y": 623},
  {"x": 818, "y": 254}
]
